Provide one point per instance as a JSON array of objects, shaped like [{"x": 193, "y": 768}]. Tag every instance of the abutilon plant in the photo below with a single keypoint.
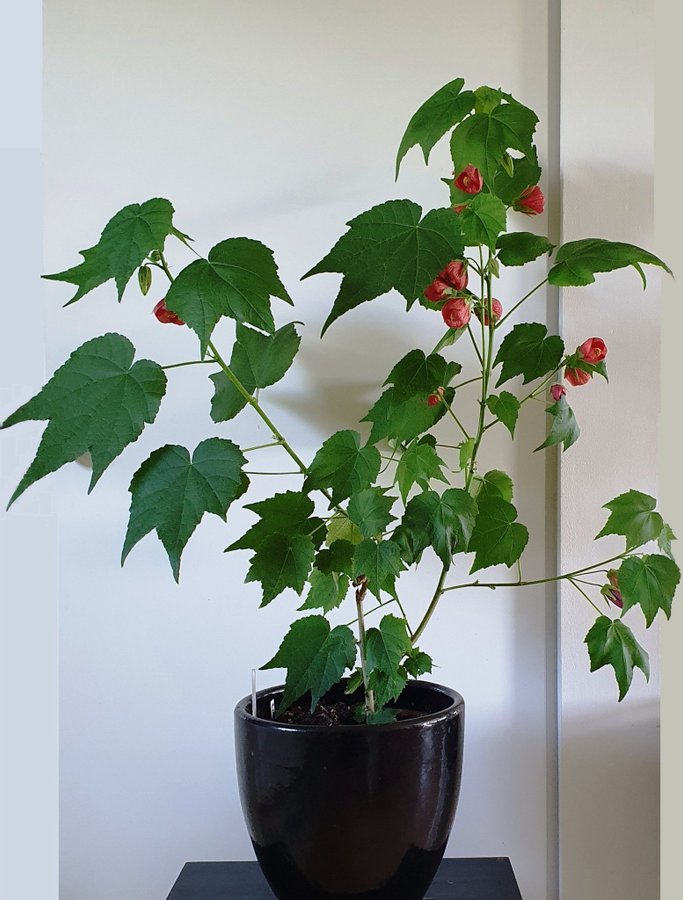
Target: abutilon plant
[{"x": 355, "y": 526}]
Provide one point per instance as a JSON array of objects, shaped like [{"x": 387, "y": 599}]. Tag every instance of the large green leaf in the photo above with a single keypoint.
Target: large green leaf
[
  {"x": 237, "y": 280},
  {"x": 497, "y": 537},
  {"x": 290, "y": 512},
  {"x": 443, "y": 522},
  {"x": 327, "y": 591},
  {"x": 281, "y": 561},
  {"x": 525, "y": 173},
  {"x": 343, "y": 465},
  {"x": 577, "y": 262},
  {"x": 564, "y": 429},
  {"x": 170, "y": 493},
  {"x": 315, "y": 658},
  {"x": 527, "y": 350},
  {"x": 404, "y": 419},
  {"x": 612, "y": 643},
  {"x": 380, "y": 562},
  {"x": 482, "y": 220},
  {"x": 390, "y": 246},
  {"x": 505, "y": 407},
  {"x": 125, "y": 242},
  {"x": 338, "y": 557},
  {"x": 649, "y": 581},
  {"x": 633, "y": 516},
  {"x": 483, "y": 138},
  {"x": 98, "y": 402},
  {"x": 417, "y": 373},
  {"x": 385, "y": 648},
  {"x": 521, "y": 247},
  {"x": 494, "y": 484},
  {"x": 444, "y": 109},
  {"x": 258, "y": 360},
  {"x": 370, "y": 510},
  {"x": 419, "y": 464}
]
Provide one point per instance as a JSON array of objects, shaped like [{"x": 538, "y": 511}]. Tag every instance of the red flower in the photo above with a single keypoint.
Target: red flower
[
  {"x": 577, "y": 377},
  {"x": 455, "y": 274},
  {"x": 434, "y": 292},
  {"x": 593, "y": 350},
  {"x": 456, "y": 312},
  {"x": 530, "y": 201},
  {"x": 557, "y": 391},
  {"x": 469, "y": 181},
  {"x": 496, "y": 309},
  {"x": 165, "y": 315},
  {"x": 433, "y": 399}
]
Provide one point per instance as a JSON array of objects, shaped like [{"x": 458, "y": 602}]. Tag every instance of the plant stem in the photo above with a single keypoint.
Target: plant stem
[
  {"x": 455, "y": 418},
  {"x": 438, "y": 591},
  {"x": 361, "y": 589},
  {"x": 519, "y": 303},
  {"x": 261, "y": 446},
  {"x": 581, "y": 591},
  {"x": 192, "y": 362}
]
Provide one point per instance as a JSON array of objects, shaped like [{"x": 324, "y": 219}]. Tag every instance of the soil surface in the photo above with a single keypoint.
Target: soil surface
[{"x": 339, "y": 713}]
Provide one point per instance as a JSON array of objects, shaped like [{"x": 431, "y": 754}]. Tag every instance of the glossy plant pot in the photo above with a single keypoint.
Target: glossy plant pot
[{"x": 351, "y": 812}]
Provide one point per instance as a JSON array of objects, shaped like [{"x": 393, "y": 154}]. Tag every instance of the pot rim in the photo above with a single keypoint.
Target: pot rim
[{"x": 456, "y": 705}]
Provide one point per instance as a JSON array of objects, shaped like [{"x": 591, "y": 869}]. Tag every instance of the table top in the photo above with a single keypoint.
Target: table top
[{"x": 457, "y": 879}]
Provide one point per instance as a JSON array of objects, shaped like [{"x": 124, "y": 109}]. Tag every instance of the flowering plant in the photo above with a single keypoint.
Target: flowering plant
[{"x": 355, "y": 526}]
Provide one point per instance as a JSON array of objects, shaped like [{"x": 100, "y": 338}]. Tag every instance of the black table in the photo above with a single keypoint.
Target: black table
[{"x": 457, "y": 879}]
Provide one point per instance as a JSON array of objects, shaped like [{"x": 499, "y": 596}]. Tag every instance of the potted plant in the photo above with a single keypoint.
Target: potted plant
[{"x": 349, "y": 772}]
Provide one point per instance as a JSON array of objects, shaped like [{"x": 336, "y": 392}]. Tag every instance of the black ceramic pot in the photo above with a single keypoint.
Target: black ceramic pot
[{"x": 351, "y": 812}]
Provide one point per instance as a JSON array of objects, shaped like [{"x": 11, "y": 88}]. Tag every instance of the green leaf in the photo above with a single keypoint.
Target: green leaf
[
  {"x": 495, "y": 484},
  {"x": 418, "y": 663},
  {"x": 528, "y": 351},
  {"x": 97, "y": 402},
  {"x": 354, "y": 682},
  {"x": 444, "y": 109},
  {"x": 387, "y": 645},
  {"x": 380, "y": 562},
  {"x": 612, "y": 643},
  {"x": 649, "y": 581},
  {"x": 404, "y": 420},
  {"x": 390, "y": 246},
  {"x": 387, "y": 686},
  {"x": 338, "y": 558},
  {"x": 577, "y": 262},
  {"x": 525, "y": 173},
  {"x": 482, "y": 220},
  {"x": 487, "y": 99},
  {"x": 237, "y": 280},
  {"x": 380, "y": 716},
  {"x": 521, "y": 247},
  {"x": 505, "y": 407},
  {"x": 370, "y": 510},
  {"x": 281, "y": 561},
  {"x": 497, "y": 537},
  {"x": 258, "y": 360},
  {"x": 286, "y": 513},
  {"x": 417, "y": 373},
  {"x": 315, "y": 658},
  {"x": 343, "y": 465},
  {"x": 170, "y": 493},
  {"x": 341, "y": 528},
  {"x": 666, "y": 535},
  {"x": 443, "y": 522},
  {"x": 418, "y": 464},
  {"x": 632, "y": 515},
  {"x": 565, "y": 428},
  {"x": 466, "y": 449},
  {"x": 327, "y": 590},
  {"x": 127, "y": 239},
  {"x": 483, "y": 138}
]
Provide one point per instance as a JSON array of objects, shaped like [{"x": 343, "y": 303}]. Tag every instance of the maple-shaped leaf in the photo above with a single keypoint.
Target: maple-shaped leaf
[
  {"x": 370, "y": 510},
  {"x": 281, "y": 561},
  {"x": 315, "y": 658},
  {"x": 171, "y": 492},
  {"x": 612, "y": 643},
  {"x": 390, "y": 246},
  {"x": 565, "y": 428},
  {"x": 338, "y": 557},
  {"x": 258, "y": 360},
  {"x": 482, "y": 139},
  {"x": 127, "y": 239},
  {"x": 236, "y": 280},
  {"x": 341, "y": 528},
  {"x": 497, "y": 537},
  {"x": 443, "y": 522},
  {"x": 380, "y": 562},
  {"x": 327, "y": 590},
  {"x": 290, "y": 512},
  {"x": 521, "y": 247},
  {"x": 437, "y": 115},
  {"x": 482, "y": 220},
  {"x": 649, "y": 581},
  {"x": 509, "y": 183},
  {"x": 494, "y": 484},
  {"x": 385, "y": 648},
  {"x": 98, "y": 402},
  {"x": 420, "y": 374},
  {"x": 633, "y": 516},
  {"x": 505, "y": 407},
  {"x": 419, "y": 464},
  {"x": 577, "y": 262},
  {"x": 666, "y": 535},
  {"x": 386, "y": 686},
  {"x": 528, "y": 350},
  {"x": 418, "y": 662},
  {"x": 343, "y": 465}
]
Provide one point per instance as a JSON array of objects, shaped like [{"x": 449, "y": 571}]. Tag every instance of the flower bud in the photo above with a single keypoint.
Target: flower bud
[
  {"x": 455, "y": 274},
  {"x": 456, "y": 312},
  {"x": 592, "y": 351},
  {"x": 496, "y": 309},
  {"x": 459, "y": 208},
  {"x": 576, "y": 377},
  {"x": 557, "y": 391},
  {"x": 434, "y": 292},
  {"x": 433, "y": 400},
  {"x": 611, "y": 591},
  {"x": 469, "y": 181},
  {"x": 530, "y": 201},
  {"x": 165, "y": 315}
]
